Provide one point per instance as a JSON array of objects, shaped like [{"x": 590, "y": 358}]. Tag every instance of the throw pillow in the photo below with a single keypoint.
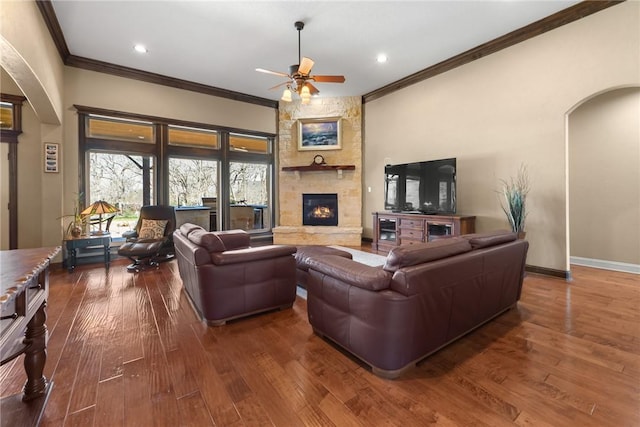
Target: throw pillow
[{"x": 152, "y": 228}]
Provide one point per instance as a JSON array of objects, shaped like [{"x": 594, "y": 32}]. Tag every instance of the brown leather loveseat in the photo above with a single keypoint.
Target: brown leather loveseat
[
  {"x": 424, "y": 297},
  {"x": 226, "y": 278}
]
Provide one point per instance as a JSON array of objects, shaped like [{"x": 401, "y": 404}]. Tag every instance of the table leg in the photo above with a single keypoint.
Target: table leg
[
  {"x": 71, "y": 259},
  {"x": 35, "y": 355},
  {"x": 107, "y": 254}
]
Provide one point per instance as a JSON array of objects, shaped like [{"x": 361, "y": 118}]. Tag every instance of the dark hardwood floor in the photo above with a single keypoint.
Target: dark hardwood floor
[{"x": 127, "y": 349}]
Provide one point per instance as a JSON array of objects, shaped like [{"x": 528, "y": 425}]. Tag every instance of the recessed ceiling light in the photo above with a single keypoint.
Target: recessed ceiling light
[
  {"x": 140, "y": 48},
  {"x": 382, "y": 58}
]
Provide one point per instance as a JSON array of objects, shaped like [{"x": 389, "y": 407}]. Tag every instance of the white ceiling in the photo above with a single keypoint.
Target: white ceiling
[{"x": 220, "y": 43}]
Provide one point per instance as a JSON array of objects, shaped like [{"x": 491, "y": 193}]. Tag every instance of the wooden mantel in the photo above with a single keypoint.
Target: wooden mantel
[{"x": 316, "y": 168}]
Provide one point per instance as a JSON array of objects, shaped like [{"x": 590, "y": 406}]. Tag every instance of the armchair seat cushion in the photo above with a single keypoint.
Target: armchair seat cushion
[{"x": 141, "y": 247}]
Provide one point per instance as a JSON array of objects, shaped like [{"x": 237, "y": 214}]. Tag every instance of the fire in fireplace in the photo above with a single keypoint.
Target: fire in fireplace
[{"x": 319, "y": 209}]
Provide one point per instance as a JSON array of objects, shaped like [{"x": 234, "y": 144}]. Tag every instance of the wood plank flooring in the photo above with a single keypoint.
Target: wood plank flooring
[{"x": 127, "y": 350}]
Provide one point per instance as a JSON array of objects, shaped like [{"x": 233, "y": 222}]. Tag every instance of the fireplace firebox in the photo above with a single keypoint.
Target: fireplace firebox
[{"x": 320, "y": 209}]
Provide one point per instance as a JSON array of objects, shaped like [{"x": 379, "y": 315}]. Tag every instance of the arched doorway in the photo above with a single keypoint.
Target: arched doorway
[{"x": 603, "y": 186}]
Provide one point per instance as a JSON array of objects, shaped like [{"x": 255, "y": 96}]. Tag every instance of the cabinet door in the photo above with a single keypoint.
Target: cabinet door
[
  {"x": 387, "y": 231},
  {"x": 440, "y": 229}
]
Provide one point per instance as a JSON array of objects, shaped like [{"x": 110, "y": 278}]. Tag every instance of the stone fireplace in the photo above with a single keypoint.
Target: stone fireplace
[
  {"x": 346, "y": 226},
  {"x": 319, "y": 209}
]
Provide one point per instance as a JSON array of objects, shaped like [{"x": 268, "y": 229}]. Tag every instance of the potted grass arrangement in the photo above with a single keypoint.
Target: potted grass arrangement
[
  {"x": 514, "y": 200},
  {"x": 77, "y": 224}
]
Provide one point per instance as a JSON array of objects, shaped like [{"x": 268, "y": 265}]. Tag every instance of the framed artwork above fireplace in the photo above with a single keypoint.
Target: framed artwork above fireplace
[{"x": 319, "y": 134}]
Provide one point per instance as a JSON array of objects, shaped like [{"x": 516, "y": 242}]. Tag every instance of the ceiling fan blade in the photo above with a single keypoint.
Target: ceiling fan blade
[
  {"x": 328, "y": 79},
  {"x": 277, "y": 73},
  {"x": 312, "y": 89},
  {"x": 278, "y": 85},
  {"x": 305, "y": 66}
]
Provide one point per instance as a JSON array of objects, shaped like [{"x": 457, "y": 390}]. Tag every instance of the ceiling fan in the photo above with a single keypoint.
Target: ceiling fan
[{"x": 299, "y": 76}]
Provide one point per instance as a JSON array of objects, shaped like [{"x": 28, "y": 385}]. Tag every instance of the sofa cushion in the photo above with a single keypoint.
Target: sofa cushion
[
  {"x": 210, "y": 241},
  {"x": 491, "y": 238},
  {"x": 405, "y": 256},
  {"x": 187, "y": 228},
  {"x": 234, "y": 239},
  {"x": 152, "y": 228}
]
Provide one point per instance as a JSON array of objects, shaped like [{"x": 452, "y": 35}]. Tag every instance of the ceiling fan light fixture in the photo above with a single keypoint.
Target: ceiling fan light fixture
[
  {"x": 305, "y": 94},
  {"x": 286, "y": 95},
  {"x": 300, "y": 76}
]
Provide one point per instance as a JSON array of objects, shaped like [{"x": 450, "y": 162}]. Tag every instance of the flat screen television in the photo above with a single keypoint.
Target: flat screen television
[{"x": 427, "y": 187}]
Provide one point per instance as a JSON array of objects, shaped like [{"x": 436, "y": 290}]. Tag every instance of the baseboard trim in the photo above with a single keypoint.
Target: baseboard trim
[
  {"x": 563, "y": 274},
  {"x": 606, "y": 265}
]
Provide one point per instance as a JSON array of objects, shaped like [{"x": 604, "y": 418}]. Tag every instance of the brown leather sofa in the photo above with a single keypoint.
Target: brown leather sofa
[
  {"x": 424, "y": 297},
  {"x": 226, "y": 278}
]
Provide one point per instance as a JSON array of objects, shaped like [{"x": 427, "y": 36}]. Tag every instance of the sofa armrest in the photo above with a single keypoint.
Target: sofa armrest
[
  {"x": 351, "y": 272},
  {"x": 252, "y": 254},
  {"x": 130, "y": 234}
]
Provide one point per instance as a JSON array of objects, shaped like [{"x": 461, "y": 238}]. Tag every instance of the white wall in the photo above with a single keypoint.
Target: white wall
[{"x": 503, "y": 110}]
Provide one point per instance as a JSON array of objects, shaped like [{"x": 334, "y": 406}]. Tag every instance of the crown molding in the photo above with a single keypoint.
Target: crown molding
[
  {"x": 51, "y": 20},
  {"x": 145, "y": 76}
]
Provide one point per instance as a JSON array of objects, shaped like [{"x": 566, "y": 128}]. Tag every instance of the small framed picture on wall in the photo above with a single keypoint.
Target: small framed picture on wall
[
  {"x": 51, "y": 157},
  {"x": 319, "y": 134}
]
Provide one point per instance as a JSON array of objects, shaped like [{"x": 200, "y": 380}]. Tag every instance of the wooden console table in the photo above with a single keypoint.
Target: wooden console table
[
  {"x": 392, "y": 229},
  {"x": 24, "y": 287}
]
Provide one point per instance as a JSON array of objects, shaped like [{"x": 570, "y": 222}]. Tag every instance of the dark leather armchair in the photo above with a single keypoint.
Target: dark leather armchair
[
  {"x": 225, "y": 278},
  {"x": 151, "y": 241}
]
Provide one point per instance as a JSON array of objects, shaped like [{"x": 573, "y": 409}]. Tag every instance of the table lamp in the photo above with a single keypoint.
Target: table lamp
[{"x": 98, "y": 208}]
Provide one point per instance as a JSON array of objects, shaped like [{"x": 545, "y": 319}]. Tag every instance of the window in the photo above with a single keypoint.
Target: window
[
  {"x": 120, "y": 129},
  {"x": 6, "y": 115},
  {"x": 248, "y": 144},
  {"x": 190, "y": 137},
  {"x": 249, "y": 196},
  {"x": 192, "y": 179},
  {"x": 120, "y": 179},
  {"x": 134, "y": 160}
]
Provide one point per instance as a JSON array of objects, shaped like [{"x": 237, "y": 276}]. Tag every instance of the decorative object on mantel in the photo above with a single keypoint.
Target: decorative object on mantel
[
  {"x": 318, "y": 160},
  {"x": 515, "y": 192},
  {"x": 319, "y": 134}
]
